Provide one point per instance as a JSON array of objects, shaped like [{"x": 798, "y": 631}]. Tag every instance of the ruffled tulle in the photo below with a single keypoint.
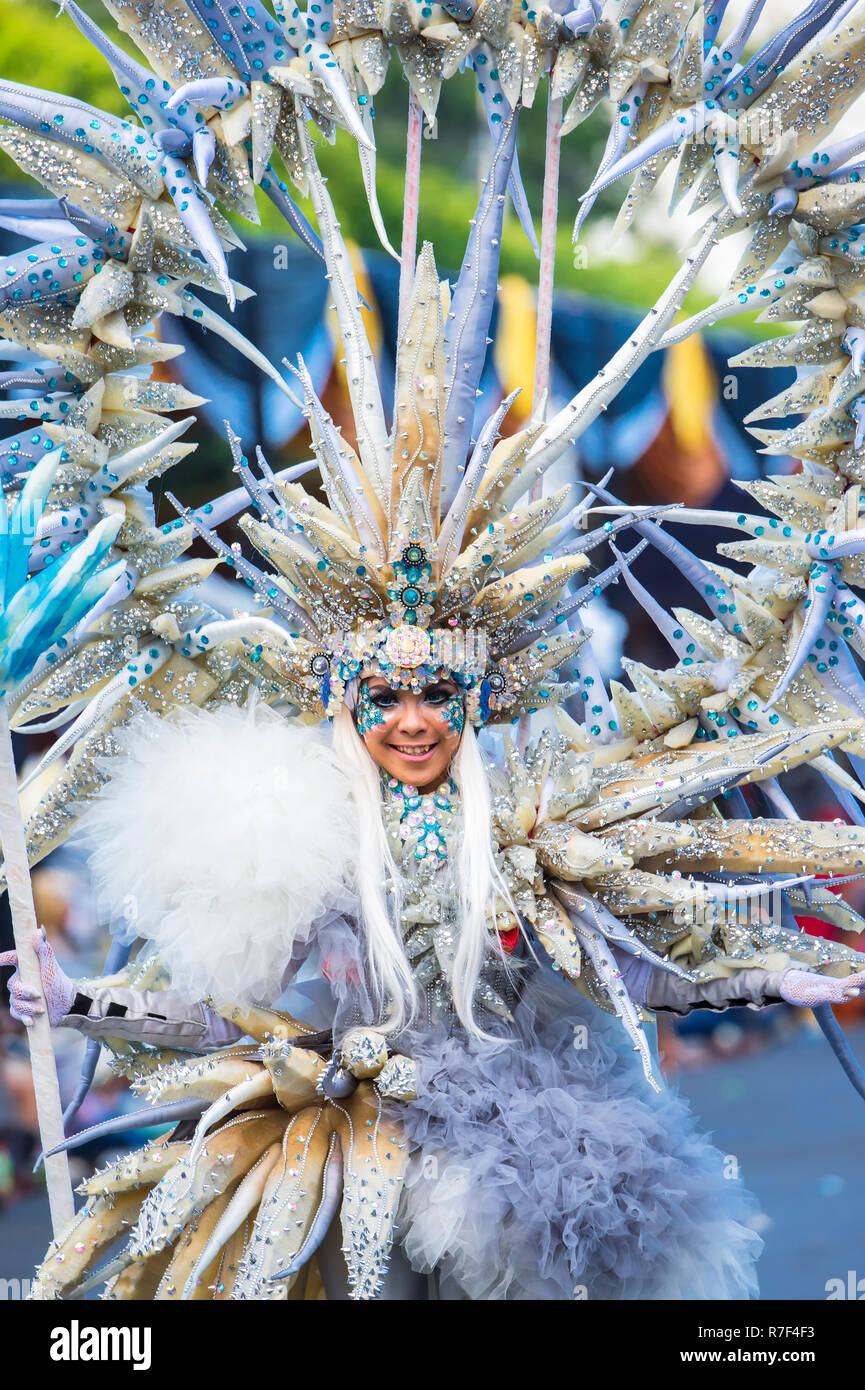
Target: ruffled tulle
[{"x": 544, "y": 1171}]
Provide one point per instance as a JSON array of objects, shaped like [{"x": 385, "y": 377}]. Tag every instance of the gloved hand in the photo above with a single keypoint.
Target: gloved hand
[
  {"x": 59, "y": 991},
  {"x": 805, "y": 988}
]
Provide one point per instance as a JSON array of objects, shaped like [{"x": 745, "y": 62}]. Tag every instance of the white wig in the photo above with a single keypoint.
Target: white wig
[
  {"x": 478, "y": 878},
  {"x": 391, "y": 976}
]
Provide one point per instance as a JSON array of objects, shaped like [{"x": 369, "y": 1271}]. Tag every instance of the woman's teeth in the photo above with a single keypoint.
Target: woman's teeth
[{"x": 413, "y": 750}]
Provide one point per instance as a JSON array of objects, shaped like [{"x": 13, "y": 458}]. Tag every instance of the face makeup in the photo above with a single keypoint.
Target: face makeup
[{"x": 412, "y": 737}]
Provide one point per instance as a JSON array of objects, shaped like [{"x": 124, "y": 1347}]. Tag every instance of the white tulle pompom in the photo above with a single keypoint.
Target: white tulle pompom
[{"x": 223, "y": 838}]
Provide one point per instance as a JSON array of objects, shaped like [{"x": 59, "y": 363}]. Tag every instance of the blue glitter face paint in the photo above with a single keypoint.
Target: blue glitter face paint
[
  {"x": 376, "y": 705},
  {"x": 369, "y": 713},
  {"x": 452, "y": 713}
]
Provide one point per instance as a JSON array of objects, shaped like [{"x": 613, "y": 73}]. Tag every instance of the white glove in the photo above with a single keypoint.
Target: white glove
[
  {"x": 59, "y": 991},
  {"x": 805, "y": 988}
]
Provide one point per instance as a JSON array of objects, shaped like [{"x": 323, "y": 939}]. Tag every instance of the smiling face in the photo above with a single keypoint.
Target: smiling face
[{"x": 413, "y": 737}]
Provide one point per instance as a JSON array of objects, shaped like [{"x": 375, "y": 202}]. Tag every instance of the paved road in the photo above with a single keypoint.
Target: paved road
[
  {"x": 793, "y": 1122},
  {"x": 797, "y": 1128}
]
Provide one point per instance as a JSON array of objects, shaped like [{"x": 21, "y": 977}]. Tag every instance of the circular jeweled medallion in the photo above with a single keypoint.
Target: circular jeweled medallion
[{"x": 407, "y": 646}]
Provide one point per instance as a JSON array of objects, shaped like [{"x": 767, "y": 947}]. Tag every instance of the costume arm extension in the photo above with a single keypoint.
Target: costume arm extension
[
  {"x": 660, "y": 992},
  {"x": 162, "y": 1017}
]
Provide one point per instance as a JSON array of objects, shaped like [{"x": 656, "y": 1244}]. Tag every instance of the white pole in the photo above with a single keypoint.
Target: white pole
[
  {"x": 546, "y": 285},
  {"x": 42, "y": 1063},
  {"x": 411, "y": 203}
]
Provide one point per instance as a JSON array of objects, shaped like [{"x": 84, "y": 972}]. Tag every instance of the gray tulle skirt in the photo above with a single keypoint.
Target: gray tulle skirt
[{"x": 541, "y": 1170}]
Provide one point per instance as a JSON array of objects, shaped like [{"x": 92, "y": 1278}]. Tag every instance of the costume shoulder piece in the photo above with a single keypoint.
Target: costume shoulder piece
[{"x": 222, "y": 838}]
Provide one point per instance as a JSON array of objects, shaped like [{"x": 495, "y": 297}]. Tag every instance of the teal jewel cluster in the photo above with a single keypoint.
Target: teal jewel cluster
[
  {"x": 411, "y": 591},
  {"x": 421, "y": 817},
  {"x": 412, "y": 595}
]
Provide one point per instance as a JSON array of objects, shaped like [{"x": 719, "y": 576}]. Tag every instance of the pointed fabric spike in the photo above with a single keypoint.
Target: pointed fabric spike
[
  {"x": 266, "y": 106},
  {"x": 240, "y": 32},
  {"x": 507, "y": 477},
  {"x": 260, "y": 582},
  {"x": 309, "y": 1187},
  {"x": 450, "y": 536},
  {"x": 24, "y": 520},
  {"x": 617, "y": 140},
  {"x": 205, "y": 317},
  {"x": 570, "y": 422},
  {"x": 836, "y": 1039},
  {"x": 323, "y": 66},
  {"x": 471, "y": 310},
  {"x": 135, "y": 81},
  {"x": 744, "y": 88},
  {"x": 245, "y": 1201},
  {"x": 665, "y": 624},
  {"x": 153, "y": 28},
  {"x": 554, "y": 617},
  {"x": 342, "y": 462},
  {"x": 634, "y": 721},
  {"x": 419, "y": 394},
  {"x": 373, "y": 1175},
  {"x": 26, "y": 270},
  {"x": 361, "y": 375},
  {"x": 521, "y": 206},
  {"x": 678, "y": 129},
  {"x": 188, "y": 1188},
  {"x": 598, "y": 711},
  {"x": 221, "y": 93},
  {"x": 251, "y": 487},
  {"x": 822, "y": 584},
  {"x": 282, "y": 200},
  {"x": 726, "y": 159},
  {"x": 592, "y": 943},
  {"x": 367, "y": 156},
  {"x": 694, "y": 569},
  {"x": 195, "y": 217},
  {"x": 508, "y": 543},
  {"x": 498, "y": 107},
  {"x": 120, "y": 144},
  {"x": 223, "y": 508},
  {"x": 151, "y": 1117}
]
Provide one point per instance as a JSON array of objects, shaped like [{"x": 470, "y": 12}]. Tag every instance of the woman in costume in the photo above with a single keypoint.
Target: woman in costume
[
  {"x": 376, "y": 968},
  {"x": 539, "y": 1163}
]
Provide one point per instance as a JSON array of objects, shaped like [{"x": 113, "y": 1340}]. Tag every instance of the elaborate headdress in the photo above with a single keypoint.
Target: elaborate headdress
[{"x": 431, "y": 554}]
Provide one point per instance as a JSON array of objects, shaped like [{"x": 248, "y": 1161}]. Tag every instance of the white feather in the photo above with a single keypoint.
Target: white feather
[{"x": 222, "y": 838}]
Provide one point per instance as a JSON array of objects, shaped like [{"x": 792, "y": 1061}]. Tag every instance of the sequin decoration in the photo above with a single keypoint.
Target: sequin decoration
[
  {"x": 421, "y": 817},
  {"x": 453, "y": 714},
  {"x": 369, "y": 714}
]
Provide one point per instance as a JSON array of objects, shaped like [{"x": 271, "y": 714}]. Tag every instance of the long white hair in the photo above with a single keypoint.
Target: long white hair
[{"x": 478, "y": 878}]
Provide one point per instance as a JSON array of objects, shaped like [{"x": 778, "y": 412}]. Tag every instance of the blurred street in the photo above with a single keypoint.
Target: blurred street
[
  {"x": 797, "y": 1128},
  {"x": 789, "y": 1116}
]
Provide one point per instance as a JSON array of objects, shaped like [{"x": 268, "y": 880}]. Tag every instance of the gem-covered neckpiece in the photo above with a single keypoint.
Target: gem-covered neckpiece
[{"x": 422, "y": 818}]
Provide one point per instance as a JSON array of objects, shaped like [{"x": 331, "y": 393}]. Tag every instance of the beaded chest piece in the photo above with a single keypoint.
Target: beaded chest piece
[{"x": 424, "y": 831}]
